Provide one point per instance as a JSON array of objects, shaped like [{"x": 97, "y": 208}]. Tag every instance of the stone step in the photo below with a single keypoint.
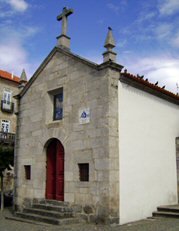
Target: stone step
[
  {"x": 48, "y": 220},
  {"x": 38, "y": 218},
  {"x": 54, "y": 202},
  {"x": 166, "y": 214},
  {"x": 52, "y": 207},
  {"x": 48, "y": 213},
  {"x": 168, "y": 209}
]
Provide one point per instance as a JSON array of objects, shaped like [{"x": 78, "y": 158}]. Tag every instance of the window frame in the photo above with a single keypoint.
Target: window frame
[
  {"x": 5, "y": 122},
  {"x": 27, "y": 169},
  {"x": 58, "y": 96},
  {"x": 83, "y": 172},
  {"x": 7, "y": 97}
]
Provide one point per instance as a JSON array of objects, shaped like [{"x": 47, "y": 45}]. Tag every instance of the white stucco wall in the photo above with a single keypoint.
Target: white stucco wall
[{"x": 148, "y": 127}]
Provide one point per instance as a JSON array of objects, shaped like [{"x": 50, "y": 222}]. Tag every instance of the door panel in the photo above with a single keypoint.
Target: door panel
[
  {"x": 55, "y": 171},
  {"x": 51, "y": 172},
  {"x": 60, "y": 173}
]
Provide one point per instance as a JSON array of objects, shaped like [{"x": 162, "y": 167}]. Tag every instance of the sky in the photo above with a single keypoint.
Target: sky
[{"x": 146, "y": 34}]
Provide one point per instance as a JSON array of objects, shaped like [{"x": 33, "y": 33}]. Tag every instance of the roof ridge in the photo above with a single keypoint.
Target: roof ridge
[{"x": 149, "y": 84}]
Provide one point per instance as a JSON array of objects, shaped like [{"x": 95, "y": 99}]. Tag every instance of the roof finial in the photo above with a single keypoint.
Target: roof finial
[
  {"x": 63, "y": 39},
  {"x": 23, "y": 79},
  {"x": 109, "y": 42},
  {"x": 109, "y": 45}
]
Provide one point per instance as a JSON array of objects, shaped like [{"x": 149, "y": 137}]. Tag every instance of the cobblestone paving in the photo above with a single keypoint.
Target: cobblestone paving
[{"x": 162, "y": 224}]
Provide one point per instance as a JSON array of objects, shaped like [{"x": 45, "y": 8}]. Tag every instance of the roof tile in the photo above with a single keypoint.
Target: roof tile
[
  {"x": 8, "y": 76},
  {"x": 152, "y": 86}
]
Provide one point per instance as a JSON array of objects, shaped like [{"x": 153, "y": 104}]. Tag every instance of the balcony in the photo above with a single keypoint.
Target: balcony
[
  {"x": 7, "y": 106},
  {"x": 7, "y": 138}
]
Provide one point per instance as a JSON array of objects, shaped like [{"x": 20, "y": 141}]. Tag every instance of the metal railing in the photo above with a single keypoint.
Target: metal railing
[{"x": 8, "y": 138}]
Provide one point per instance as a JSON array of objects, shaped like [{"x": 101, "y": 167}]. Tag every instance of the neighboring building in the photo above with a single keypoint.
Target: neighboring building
[
  {"x": 8, "y": 88},
  {"x": 95, "y": 137}
]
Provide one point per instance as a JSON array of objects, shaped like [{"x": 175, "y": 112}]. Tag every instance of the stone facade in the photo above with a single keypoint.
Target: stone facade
[{"x": 85, "y": 85}]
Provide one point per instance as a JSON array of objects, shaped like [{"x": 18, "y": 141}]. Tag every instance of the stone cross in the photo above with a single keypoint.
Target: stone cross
[{"x": 63, "y": 16}]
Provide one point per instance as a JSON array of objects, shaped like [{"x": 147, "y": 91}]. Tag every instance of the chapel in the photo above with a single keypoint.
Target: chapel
[{"x": 95, "y": 137}]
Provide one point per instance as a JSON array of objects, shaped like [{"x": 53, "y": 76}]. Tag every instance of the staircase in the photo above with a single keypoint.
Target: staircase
[
  {"x": 49, "y": 211},
  {"x": 171, "y": 211}
]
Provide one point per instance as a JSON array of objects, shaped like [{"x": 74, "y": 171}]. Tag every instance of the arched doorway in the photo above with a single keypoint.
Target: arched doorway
[{"x": 55, "y": 171}]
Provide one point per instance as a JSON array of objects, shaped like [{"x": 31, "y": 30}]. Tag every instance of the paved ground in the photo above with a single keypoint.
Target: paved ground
[{"x": 144, "y": 225}]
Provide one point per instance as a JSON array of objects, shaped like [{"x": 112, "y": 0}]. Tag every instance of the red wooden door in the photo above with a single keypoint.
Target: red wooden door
[{"x": 55, "y": 171}]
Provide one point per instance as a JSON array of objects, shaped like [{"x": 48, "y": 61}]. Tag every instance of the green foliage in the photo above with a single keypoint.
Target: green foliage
[{"x": 6, "y": 157}]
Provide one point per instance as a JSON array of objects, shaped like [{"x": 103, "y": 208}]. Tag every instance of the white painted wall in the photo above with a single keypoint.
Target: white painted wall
[{"x": 148, "y": 127}]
